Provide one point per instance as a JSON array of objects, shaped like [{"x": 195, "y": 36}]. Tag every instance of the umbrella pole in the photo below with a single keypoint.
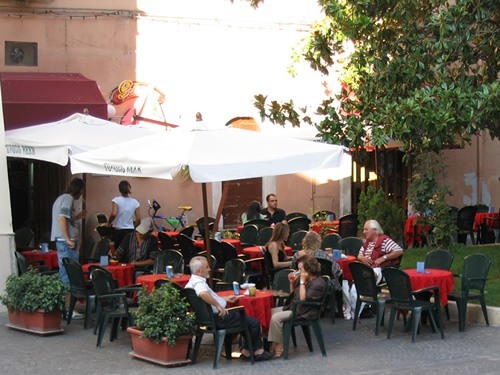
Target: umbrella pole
[
  {"x": 225, "y": 192},
  {"x": 207, "y": 233}
]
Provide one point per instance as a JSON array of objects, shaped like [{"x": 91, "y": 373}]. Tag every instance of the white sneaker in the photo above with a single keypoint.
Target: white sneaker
[{"x": 77, "y": 316}]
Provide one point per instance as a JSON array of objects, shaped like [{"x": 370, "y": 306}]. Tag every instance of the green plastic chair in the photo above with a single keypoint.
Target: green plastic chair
[
  {"x": 474, "y": 276},
  {"x": 439, "y": 259}
]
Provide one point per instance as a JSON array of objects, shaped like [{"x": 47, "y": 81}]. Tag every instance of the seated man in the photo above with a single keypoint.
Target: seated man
[
  {"x": 272, "y": 213},
  {"x": 200, "y": 272},
  {"x": 378, "y": 250},
  {"x": 139, "y": 246}
]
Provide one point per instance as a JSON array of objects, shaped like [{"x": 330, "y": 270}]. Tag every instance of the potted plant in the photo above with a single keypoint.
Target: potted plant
[
  {"x": 35, "y": 302},
  {"x": 164, "y": 326}
]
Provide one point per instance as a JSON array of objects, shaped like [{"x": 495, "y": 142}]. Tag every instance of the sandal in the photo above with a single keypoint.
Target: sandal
[{"x": 277, "y": 355}]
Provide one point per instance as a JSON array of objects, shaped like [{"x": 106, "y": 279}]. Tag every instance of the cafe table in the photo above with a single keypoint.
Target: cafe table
[
  {"x": 491, "y": 219},
  {"x": 410, "y": 230},
  {"x": 233, "y": 241},
  {"x": 431, "y": 277},
  {"x": 258, "y": 307},
  {"x": 122, "y": 272},
  {"x": 344, "y": 265},
  {"x": 149, "y": 280},
  {"x": 50, "y": 258}
]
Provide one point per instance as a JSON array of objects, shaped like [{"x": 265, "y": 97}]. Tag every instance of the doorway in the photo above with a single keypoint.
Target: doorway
[{"x": 241, "y": 193}]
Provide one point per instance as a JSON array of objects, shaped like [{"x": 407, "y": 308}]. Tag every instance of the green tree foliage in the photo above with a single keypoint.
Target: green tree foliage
[
  {"x": 374, "y": 205},
  {"x": 424, "y": 72}
]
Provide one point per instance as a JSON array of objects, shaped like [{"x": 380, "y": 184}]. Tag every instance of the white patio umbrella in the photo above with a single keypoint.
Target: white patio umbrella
[
  {"x": 211, "y": 156},
  {"x": 55, "y": 141}
]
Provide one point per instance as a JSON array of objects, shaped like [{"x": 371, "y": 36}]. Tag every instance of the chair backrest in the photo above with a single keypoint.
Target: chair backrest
[
  {"x": 326, "y": 267},
  {"x": 188, "y": 230},
  {"x": 293, "y": 215},
  {"x": 323, "y": 215},
  {"x": 348, "y": 225},
  {"x": 24, "y": 238},
  {"x": 482, "y": 208},
  {"x": 264, "y": 236},
  {"x": 75, "y": 275},
  {"x": 203, "y": 311},
  {"x": 399, "y": 285},
  {"x": 218, "y": 252},
  {"x": 351, "y": 245},
  {"x": 465, "y": 218},
  {"x": 229, "y": 251},
  {"x": 248, "y": 235},
  {"x": 186, "y": 244},
  {"x": 330, "y": 241},
  {"x": 88, "y": 247},
  {"x": 295, "y": 240},
  {"x": 102, "y": 248},
  {"x": 166, "y": 242},
  {"x": 22, "y": 265},
  {"x": 260, "y": 223},
  {"x": 453, "y": 212},
  {"x": 364, "y": 279},
  {"x": 280, "y": 280},
  {"x": 168, "y": 258},
  {"x": 475, "y": 272},
  {"x": 102, "y": 281},
  {"x": 439, "y": 259},
  {"x": 200, "y": 222},
  {"x": 234, "y": 270},
  {"x": 299, "y": 223},
  {"x": 161, "y": 282},
  {"x": 101, "y": 218}
]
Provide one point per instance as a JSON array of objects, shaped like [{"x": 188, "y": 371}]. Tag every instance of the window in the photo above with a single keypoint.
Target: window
[{"x": 21, "y": 54}]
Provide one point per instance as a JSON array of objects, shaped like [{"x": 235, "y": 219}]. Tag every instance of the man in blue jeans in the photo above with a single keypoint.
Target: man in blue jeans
[{"x": 65, "y": 230}]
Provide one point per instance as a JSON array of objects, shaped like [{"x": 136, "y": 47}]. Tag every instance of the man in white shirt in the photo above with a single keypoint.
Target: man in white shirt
[{"x": 200, "y": 272}]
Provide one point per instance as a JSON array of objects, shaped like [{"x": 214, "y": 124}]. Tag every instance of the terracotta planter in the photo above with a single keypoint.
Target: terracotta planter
[
  {"x": 160, "y": 353},
  {"x": 39, "y": 322}
]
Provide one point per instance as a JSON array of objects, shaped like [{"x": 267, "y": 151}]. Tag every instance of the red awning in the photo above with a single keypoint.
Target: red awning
[{"x": 36, "y": 98}]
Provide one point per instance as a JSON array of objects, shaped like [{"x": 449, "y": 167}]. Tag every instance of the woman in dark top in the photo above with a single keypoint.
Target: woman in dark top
[
  {"x": 306, "y": 286},
  {"x": 252, "y": 213},
  {"x": 276, "y": 246}
]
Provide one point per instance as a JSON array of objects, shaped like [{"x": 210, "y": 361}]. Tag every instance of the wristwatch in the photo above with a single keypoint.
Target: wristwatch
[
  {"x": 302, "y": 283},
  {"x": 385, "y": 257}
]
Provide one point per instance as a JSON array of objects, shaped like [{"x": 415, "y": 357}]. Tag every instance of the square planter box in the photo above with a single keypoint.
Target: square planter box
[{"x": 38, "y": 322}]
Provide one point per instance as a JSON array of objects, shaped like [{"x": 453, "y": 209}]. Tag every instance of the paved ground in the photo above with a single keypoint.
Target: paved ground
[{"x": 361, "y": 352}]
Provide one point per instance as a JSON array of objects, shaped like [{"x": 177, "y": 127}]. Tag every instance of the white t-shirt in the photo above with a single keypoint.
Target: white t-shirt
[
  {"x": 199, "y": 284},
  {"x": 126, "y": 212}
]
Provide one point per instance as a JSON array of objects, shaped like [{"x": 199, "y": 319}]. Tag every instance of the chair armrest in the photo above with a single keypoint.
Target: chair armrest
[
  {"x": 241, "y": 309},
  {"x": 129, "y": 288},
  {"x": 114, "y": 296},
  {"x": 259, "y": 259},
  {"x": 435, "y": 291}
]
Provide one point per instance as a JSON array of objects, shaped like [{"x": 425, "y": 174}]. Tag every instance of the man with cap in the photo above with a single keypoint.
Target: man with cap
[{"x": 139, "y": 246}]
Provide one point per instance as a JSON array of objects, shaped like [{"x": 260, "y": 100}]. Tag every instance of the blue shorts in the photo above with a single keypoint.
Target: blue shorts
[{"x": 64, "y": 251}]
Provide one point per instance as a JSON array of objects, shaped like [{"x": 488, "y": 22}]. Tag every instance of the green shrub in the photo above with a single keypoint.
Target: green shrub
[
  {"x": 33, "y": 291},
  {"x": 163, "y": 313},
  {"x": 374, "y": 205}
]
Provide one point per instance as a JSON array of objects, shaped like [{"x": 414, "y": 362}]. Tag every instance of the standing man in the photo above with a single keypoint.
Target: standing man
[
  {"x": 65, "y": 230},
  {"x": 200, "y": 272},
  {"x": 272, "y": 213}
]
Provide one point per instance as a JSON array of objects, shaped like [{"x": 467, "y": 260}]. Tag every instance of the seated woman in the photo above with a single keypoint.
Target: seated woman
[
  {"x": 308, "y": 286},
  {"x": 253, "y": 213},
  {"x": 311, "y": 246},
  {"x": 276, "y": 246}
]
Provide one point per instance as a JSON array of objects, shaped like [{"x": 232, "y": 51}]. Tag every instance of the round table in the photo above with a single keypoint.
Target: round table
[
  {"x": 149, "y": 280},
  {"x": 258, "y": 307},
  {"x": 50, "y": 258},
  {"x": 122, "y": 272},
  {"x": 442, "y": 278},
  {"x": 344, "y": 264}
]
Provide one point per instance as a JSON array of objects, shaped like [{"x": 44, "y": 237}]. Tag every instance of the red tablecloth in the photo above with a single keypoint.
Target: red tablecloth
[
  {"x": 149, "y": 280},
  {"x": 259, "y": 306},
  {"x": 331, "y": 227},
  {"x": 49, "y": 258},
  {"x": 410, "y": 230},
  {"x": 492, "y": 220},
  {"x": 443, "y": 279},
  {"x": 122, "y": 272},
  {"x": 239, "y": 228},
  {"x": 236, "y": 243},
  {"x": 344, "y": 264}
]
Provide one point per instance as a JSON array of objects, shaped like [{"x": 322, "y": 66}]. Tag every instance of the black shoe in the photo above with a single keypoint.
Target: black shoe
[{"x": 264, "y": 356}]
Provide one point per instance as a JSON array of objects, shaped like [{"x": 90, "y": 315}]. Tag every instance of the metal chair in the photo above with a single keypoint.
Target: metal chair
[
  {"x": 330, "y": 241},
  {"x": 264, "y": 236},
  {"x": 351, "y": 245},
  {"x": 295, "y": 240},
  {"x": 299, "y": 224},
  {"x": 474, "y": 275},
  {"x": 260, "y": 223},
  {"x": 23, "y": 238},
  {"x": 248, "y": 235},
  {"x": 234, "y": 271},
  {"x": 205, "y": 323},
  {"x": 293, "y": 215},
  {"x": 166, "y": 242},
  {"x": 188, "y": 230},
  {"x": 368, "y": 293},
  {"x": 169, "y": 258},
  {"x": 402, "y": 298}
]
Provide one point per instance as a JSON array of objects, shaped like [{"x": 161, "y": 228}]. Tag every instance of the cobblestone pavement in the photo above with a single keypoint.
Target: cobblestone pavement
[{"x": 474, "y": 351}]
